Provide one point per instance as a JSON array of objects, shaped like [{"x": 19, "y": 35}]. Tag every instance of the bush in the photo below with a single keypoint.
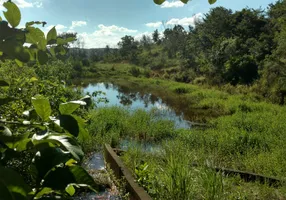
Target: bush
[{"x": 135, "y": 71}]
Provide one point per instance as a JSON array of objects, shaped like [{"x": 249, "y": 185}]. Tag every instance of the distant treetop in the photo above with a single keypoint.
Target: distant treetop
[{"x": 184, "y": 1}]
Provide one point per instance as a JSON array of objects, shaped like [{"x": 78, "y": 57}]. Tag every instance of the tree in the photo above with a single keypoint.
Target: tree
[
  {"x": 67, "y": 35},
  {"x": 156, "y": 37},
  {"x": 146, "y": 42},
  {"x": 184, "y": 1},
  {"x": 174, "y": 40},
  {"x": 128, "y": 48}
]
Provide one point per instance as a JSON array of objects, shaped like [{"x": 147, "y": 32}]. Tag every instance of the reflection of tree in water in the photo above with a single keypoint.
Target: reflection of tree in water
[
  {"x": 124, "y": 100},
  {"x": 127, "y": 96},
  {"x": 107, "y": 85}
]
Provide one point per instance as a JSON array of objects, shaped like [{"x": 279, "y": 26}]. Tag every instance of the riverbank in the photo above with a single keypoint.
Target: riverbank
[{"x": 246, "y": 134}]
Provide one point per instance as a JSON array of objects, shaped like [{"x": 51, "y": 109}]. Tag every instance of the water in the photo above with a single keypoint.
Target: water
[
  {"x": 145, "y": 146},
  {"x": 96, "y": 167},
  {"x": 96, "y": 162},
  {"x": 123, "y": 96}
]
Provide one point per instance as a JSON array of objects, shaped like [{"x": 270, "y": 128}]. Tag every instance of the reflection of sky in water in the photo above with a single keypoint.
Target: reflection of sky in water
[{"x": 119, "y": 97}]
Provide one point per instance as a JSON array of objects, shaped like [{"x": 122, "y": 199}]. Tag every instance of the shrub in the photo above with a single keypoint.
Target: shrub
[{"x": 134, "y": 71}]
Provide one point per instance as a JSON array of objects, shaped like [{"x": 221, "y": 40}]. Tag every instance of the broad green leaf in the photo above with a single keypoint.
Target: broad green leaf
[
  {"x": 52, "y": 36},
  {"x": 83, "y": 133},
  {"x": 8, "y": 33},
  {"x": 69, "y": 123},
  {"x": 5, "y": 30},
  {"x": 15, "y": 49},
  {"x": 52, "y": 51},
  {"x": 46, "y": 159},
  {"x": 42, "y": 57},
  {"x": 67, "y": 175},
  {"x": 70, "y": 190},
  {"x": 212, "y": 1},
  {"x": 13, "y": 14},
  {"x": 33, "y": 50},
  {"x": 17, "y": 142},
  {"x": 12, "y": 181},
  {"x": 159, "y": 2},
  {"x": 3, "y": 83},
  {"x": 42, "y": 107},
  {"x": 70, "y": 39},
  {"x": 68, "y": 108},
  {"x": 44, "y": 191},
  {"x": 63, "y": 140},
  {"x": 74, "y": 125},
  {"x": 60, "y": 50},
  {"x": 37, "y": 37},
  {"x": 60, "y": 41},
  {"x": 19, "y": 63},
  {"x": 184, "y": 1}
]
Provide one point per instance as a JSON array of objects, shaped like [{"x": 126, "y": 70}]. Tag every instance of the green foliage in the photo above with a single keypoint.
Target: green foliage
[
  {"x": 134, "y": 71},
  {"x": 42, "y": 107},
  {"x": 39, "y": 152},
  {"x": 13, "y": 39},
  {"x": 242, "y": 47},
  {"x": 109, "y": 125},
  {"x": 143, "y": 175},
  {"x": 12, "y": 14},
  {"x": 12, "y": 185}
]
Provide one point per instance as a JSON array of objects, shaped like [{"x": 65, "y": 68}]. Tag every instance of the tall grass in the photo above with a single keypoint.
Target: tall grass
[
  {"x": 247, "y": 133},
  {"x": 112, "y": 124}
]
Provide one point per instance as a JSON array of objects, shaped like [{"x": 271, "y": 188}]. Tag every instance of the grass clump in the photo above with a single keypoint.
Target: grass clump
[{"x": 111, "y": 124}]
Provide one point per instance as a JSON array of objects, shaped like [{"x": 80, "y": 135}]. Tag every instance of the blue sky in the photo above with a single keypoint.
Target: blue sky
[{"x": 103, "y": 22}]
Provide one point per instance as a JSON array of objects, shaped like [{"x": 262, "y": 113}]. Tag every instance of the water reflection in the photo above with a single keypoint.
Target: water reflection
[{"x": 124, "y": 96}]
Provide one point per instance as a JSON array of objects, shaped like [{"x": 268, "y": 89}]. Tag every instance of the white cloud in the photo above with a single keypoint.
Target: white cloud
[
  {"x": 19, "y": 3},
  {"x": 78, "y": 24},
  {"x": 38, "y": 4},
  {"x": 140, "y": 35},
  {"x": 186, "y": 21},
  {"x": 23, "y": 4},
  {"x": 59, "y": 27},
  {"x": 173, "y": 4},
  {"x": 105, "y": 35},
  {"x": 154, "y": 24},
  {"x": 111, "y": 30}
]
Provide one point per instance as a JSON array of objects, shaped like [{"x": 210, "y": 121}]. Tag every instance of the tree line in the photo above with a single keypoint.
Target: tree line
[{"x": 245, "y": 47}]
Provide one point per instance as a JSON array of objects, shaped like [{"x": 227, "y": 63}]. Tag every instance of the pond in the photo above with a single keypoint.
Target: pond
[{"x": 131, "y": 99}]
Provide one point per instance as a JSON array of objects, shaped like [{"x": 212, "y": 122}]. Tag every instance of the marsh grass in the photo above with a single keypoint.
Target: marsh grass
[
  {"x": 246, "y": 133},
  {"x": 112, "y": 124}
]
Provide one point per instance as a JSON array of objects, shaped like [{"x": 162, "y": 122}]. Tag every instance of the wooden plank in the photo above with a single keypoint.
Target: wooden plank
[{"x": 120, "y": 170}]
